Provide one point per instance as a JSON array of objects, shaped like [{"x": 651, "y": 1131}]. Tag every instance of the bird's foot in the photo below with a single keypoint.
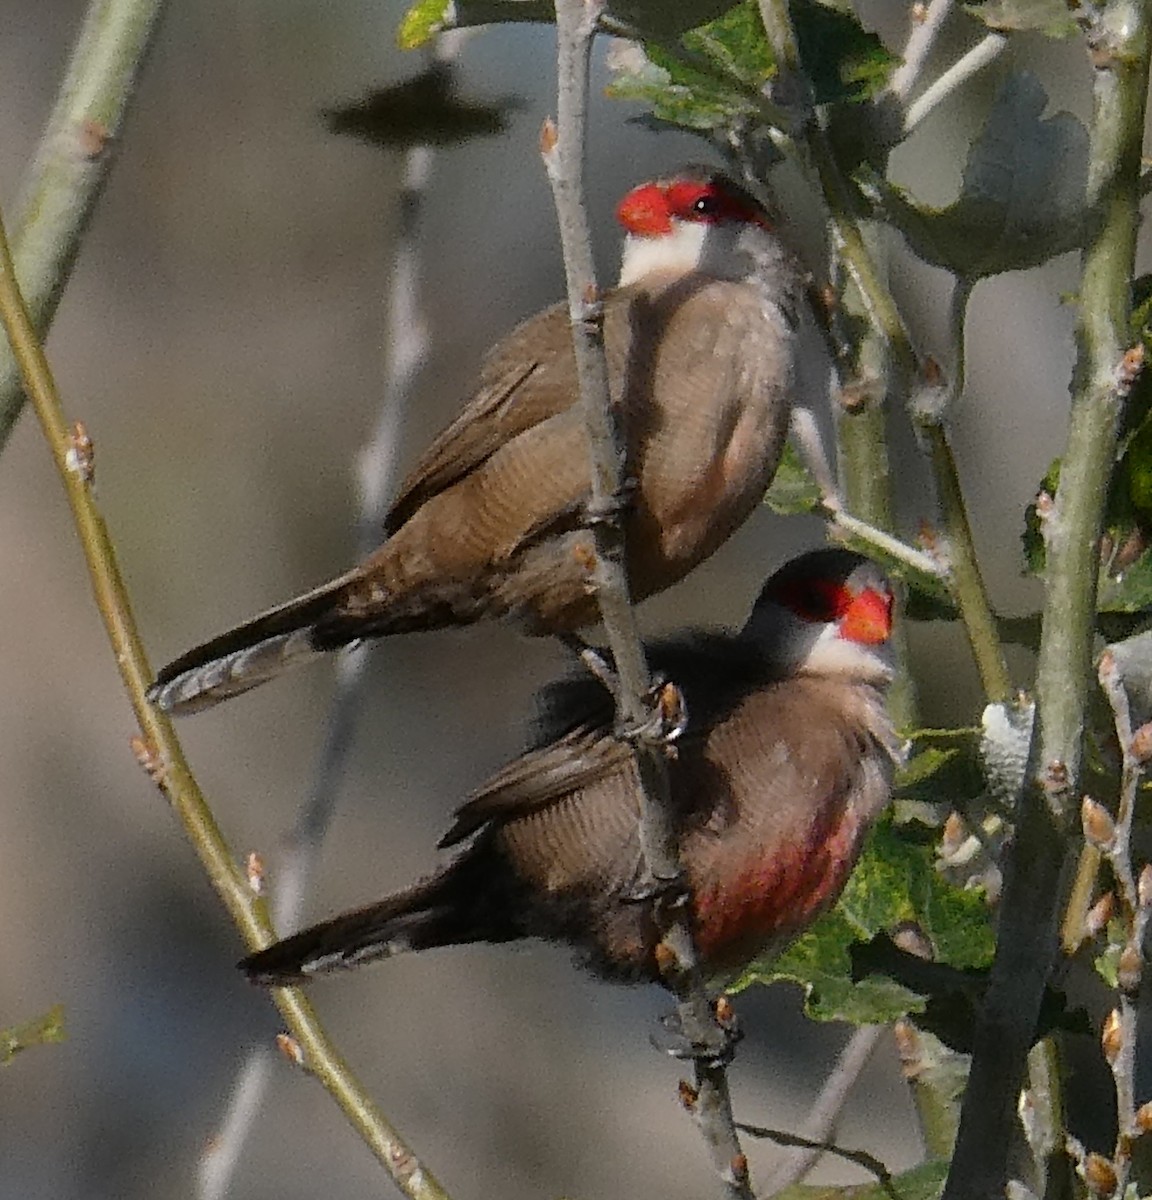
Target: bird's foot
[
  {"x": 683, "y": 1035},
  {"x": 667, "y": 717},
  {"x": 611, "y": 509}
]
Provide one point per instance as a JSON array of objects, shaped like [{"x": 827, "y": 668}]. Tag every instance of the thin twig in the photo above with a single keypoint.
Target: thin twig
[
  {"x": 160, "y": 751},
  {"x": 964, "y": 567},
  {"x": 563, "y": 150},
  {"x": 820, "y": 1123},
  {"x": 71, "y": 163},
  {"x": 921, "y": 39},
  {"x": 985, "y": 51},
  {"x": 1040, "y": 859},
  {"x": 407, "y": 343},
  {"x": 861, "y": 1158}
]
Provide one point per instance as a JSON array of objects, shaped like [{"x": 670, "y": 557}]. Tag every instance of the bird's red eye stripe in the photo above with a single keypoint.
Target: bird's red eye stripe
[
  {"x": 707, "y": 202},
  {"x": 864, "y": 617},
  {"x": 648, "y": 210},
  {"x": 867, "y": 618}
]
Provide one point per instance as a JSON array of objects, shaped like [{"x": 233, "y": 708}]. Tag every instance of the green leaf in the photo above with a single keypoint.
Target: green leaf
[
  {"x": 944, "y": 765},
  {"x": 735, "y": 62},
  {"x": 819, "y": 962},
  {"x": 793, "y": 490},
  {"x": 895, "y": 882},
  {"x": 38, "y": 1032},
  {"x": 1022, "y": 197},
  {"x": 421, "y": 23},
  {"x": 846, "y": 63},
  {"x": 1049, "y": 17}
]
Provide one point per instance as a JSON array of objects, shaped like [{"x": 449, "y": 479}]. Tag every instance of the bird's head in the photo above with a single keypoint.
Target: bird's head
[
  {"x": 696, "y": 220},
  {"x": 828, "y": 612}
]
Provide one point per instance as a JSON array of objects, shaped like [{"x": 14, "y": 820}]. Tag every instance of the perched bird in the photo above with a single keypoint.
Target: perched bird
[
  {"x": 786, "y": 759},
  {"x": 492, "y": 521}
]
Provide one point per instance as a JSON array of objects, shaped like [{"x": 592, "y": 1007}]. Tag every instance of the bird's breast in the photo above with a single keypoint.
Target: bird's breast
[{"x": 762, "y": 896}]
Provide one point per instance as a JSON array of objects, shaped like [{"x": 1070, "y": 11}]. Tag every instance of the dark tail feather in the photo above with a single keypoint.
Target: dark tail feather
[
  {"x": 248, "y": 655},
  {"x": 450, "y": 909}
]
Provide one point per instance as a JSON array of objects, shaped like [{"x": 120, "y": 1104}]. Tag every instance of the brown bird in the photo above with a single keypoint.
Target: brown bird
[
  {"x": 492, "y": 521},
  {"x": 786, "y": 759}
]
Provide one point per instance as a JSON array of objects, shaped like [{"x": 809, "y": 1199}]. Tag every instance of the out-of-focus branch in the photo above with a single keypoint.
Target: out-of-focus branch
[
  {"x": 62, "y": 185},
  {"x": 987, "y": 50},
  {"x": 161, "y": 754},
  {"x": 820, "y": 1123},
  {"x": 563, "y": 150},
  {"x": 1041, "y": 854},
  {"x": 921, "y": 38},
  {"x": 407, "y": 344}
]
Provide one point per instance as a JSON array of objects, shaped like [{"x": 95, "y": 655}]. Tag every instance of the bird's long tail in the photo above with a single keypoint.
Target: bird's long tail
[
  {"x": 451, "y": 908},
  {"x": 250, "y": 654}
]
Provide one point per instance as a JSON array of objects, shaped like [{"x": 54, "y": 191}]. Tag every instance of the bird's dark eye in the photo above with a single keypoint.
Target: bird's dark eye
[{"x": 707, "y": 206}]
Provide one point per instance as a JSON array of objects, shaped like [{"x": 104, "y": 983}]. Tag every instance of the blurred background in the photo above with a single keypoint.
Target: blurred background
[{"x": 223, "y": 341}]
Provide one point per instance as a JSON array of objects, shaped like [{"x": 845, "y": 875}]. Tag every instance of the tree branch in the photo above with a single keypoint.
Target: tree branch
[
  {"x": 161, "y": 754},
  {"x": 70, "y": 166},
  {"x": 820, "y": 1123},
  {"x": 1039, "y": 859},
  {"x": 563, "y": 150}
]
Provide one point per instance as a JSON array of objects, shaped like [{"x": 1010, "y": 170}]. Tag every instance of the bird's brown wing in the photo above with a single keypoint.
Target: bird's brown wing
[
  {"x": 525, "y": 379},
  {"x": 539, "y": 777}
]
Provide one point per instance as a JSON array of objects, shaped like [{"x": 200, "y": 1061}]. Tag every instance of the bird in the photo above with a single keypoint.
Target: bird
[
  {"x": 786, "y": 759},
  {"x": 493, "y": 520}
]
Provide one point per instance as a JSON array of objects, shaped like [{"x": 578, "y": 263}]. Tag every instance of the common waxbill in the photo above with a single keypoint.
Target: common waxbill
[
  {"x": 492, "y": 521},
  {"x": 787, "y": 758}
]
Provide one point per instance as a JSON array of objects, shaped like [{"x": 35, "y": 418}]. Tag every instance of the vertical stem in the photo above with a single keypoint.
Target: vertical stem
[
  {"x": 1040, "y": 857},
  {"x": 563, "y": 150}
]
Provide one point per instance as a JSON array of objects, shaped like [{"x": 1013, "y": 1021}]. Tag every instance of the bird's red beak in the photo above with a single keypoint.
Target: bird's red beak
[
  {"x": 644, "y": 211},
  {"x": 868, "y": 618}
]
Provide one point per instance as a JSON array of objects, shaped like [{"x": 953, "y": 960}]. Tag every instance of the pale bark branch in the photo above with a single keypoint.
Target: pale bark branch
[
  {"x": 160, "y": 751},
  {"x": 407, "y": 343},
  {"x": 64, "y": 181},
  {"x": 820, "y": 1123},
  {"x": 563, "y": 149}
]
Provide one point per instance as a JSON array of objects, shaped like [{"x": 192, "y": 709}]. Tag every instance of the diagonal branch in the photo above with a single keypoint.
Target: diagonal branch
[
  {"x": 67, "y": 174},
  {"x": 563, "y": 150},
  {"x": 161, "y": 754},
  {"x": 1039, "y": 862}
]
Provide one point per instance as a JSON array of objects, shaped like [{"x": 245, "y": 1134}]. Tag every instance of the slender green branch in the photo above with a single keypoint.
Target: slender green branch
[
  {"x": 160, "y": 751},
  {"x": 964, "y": 569},
  {"x": 1042, "y": 854},
  {"x": 71, "y": 164}
]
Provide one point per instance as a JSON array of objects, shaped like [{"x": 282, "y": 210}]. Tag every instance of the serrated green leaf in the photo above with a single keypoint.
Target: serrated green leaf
[
  {"x": 421, "y": 23},
  {"x": 735, "y": 62},
  {"x": 896, "y": 881},
  {"x": 1022, "y": 197},
  {"x": 819, "y": 962},
  {"x": 925, "y": 1182},
  {"x": 793, "y": 490},
  {"x": 41, "y": 1031},
  {"x": 846, "y": 63},
  {"x": 1049, "y": 17}
]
